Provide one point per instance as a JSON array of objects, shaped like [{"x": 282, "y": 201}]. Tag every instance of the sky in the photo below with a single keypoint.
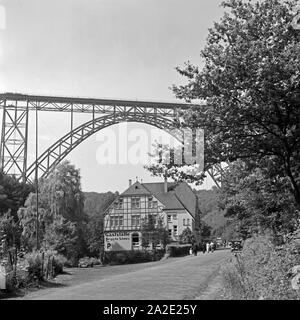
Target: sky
[{"x": 119, "y": 49}]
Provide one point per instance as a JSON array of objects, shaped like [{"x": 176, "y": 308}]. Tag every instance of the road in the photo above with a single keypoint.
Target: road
[{"x": 190, "y": 277}]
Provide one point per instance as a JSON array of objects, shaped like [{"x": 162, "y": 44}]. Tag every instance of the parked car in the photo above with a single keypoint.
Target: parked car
[
  {"x": 236, "y": 245},
  {"x": 85, "y": 262}
]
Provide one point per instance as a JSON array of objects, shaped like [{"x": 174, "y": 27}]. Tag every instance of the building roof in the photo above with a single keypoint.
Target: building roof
[{"x": 179, "y": 195}]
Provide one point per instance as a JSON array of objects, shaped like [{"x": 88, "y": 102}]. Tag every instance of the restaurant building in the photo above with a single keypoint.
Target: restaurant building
[{"x": 173, "y": 202}]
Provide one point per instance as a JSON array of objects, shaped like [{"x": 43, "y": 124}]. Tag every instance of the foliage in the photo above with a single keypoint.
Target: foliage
[
  {"x": 213, "y": 222},
  {"x": 163, "y": 165},
  {"x": 41, "y": 266},
  {"x": 154, "y": 232},
  {"x": 178, "y": 251},
  {"x": 61, "y": 216},
  {"x": 62, "y": 192},
  {"x": 9, "y": 234},
  {"x": 96, "y": 203},
  {"x": 133, "y": 256},
  {"x": 94, "y": 236},
  {"x": 208, "y": 200},
  {"x": 187, "y": 236},
  {"x": 250, "y": 83},
  {"x": 12, "y": 194},
  {"x": 261, "y": 271},
  {"x": 257, "y": 199},
  {"x": 61, "y": 235},
  {"x": 94, "y": 206},
  {"x": 205, "y": 230}
]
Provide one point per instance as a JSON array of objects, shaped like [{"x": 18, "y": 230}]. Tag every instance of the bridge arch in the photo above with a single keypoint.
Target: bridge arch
[{"x": 50, "y": 158}]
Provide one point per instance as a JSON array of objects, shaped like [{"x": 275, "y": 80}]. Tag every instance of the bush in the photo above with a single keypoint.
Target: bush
[
  {"x": 95, "y": 261},
  {"x": 41, "y": 266},
  {"x": 261, "y": 271},
  {"x": 178, "y": 250},
  {"x": 58, "y": 264},
  {"x": 35, "y": 266},
  {"x": 133, "y": 256}
]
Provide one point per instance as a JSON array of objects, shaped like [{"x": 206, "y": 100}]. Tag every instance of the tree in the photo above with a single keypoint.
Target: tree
[
  {"x": 61, "y": 235},
  {"x": 62, "y": 192},
  {"x": 256, "y": 201},
  {"x": 96, "y": 203},
  {"x": 9, "y": 235},
  {"x": 250, "y": 82},
  {"x": 205, "y": 230},
  {"x": 154, "y": 232},
  {"x": 187, "y": 236},
  {"x": 61, "y": 216},
  {"x": 94, "y": 235},
  {"x": 12, "y": 194}
]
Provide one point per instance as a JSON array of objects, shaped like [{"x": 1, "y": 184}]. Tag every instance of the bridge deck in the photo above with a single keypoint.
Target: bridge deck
[{"x": 86, "y": 105}]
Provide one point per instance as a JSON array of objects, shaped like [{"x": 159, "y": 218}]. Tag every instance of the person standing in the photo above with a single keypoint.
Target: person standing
[
  {"x": 207, "y": 247},
  {"x": 195, "y": 249},
  {"x": 211, "y": 247}
]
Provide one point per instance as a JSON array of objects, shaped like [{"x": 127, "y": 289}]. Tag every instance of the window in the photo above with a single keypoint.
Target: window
[
  {"x": 170, "y": 232},
  {"x": 174, "y": 216},
  {"x": 120, "y": 221},
  {"x": 113, "y": 222},
  {"x": 119, "y": 204},
  {"x": 186, "y": 222},
  {"x": 152, "y": 203},
  {"x": 135, "y": 220},
  {"x": 169, "y": 218},
  {"x": 116, "y": 221},
  {"x": 135, "y": 202},
  {"x": 175, "y": 230},
  {"x": 135, "y": 237}
]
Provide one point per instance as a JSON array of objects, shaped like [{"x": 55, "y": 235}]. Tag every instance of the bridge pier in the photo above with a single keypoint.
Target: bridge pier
[{"x": 14, "y": 137}]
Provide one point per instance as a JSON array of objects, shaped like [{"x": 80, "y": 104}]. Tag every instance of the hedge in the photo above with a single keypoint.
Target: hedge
[{"x": 132, "y": 256}]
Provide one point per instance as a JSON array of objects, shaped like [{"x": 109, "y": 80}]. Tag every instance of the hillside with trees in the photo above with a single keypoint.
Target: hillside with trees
[
  {"x": 96, "y": 203},
  {"x": 212, "y": 215}
]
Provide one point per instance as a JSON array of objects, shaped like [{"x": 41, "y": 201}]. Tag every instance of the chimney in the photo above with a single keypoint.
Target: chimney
[
  {"x": 130, "y": 182},
  {"x": 165, "y": 184}
]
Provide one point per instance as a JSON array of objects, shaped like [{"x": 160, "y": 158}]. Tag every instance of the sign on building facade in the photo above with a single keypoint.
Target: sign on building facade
[{"x": 117, "y": 241}]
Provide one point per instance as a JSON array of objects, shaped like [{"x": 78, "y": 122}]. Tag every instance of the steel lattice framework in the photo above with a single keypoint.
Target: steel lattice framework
[{"x": 14, "y": 134}]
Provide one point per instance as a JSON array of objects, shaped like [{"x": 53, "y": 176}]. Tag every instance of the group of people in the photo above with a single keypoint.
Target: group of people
[
  {"x": 204, "y": 247},
  {"x": 208, "y": 247}
]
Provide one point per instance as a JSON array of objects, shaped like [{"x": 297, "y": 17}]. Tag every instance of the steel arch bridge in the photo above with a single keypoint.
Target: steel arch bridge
[{"x": 14, "y": 135}]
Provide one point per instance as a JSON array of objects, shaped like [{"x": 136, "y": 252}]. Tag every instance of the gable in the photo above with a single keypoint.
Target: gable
[{"x": 136, "y": 189}]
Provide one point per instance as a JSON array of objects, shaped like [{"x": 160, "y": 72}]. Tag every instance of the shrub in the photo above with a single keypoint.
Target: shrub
[
  {"x": 35, "y": 266},
  {"x": 132, "y": 256},
  {"x": 261, "y": 271},
  {"x": 58, "y": 264},
  {"x": 178, "y": 250},
  {"x": 42, "y": 265},
  {"x": 95, "y": 261}
]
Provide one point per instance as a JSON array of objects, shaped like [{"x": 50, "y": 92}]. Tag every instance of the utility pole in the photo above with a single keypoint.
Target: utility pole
[{"x": 36, "y": 179}]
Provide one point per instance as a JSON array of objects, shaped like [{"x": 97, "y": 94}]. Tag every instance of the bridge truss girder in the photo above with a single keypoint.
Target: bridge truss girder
[{"x": 14, "y": 135}]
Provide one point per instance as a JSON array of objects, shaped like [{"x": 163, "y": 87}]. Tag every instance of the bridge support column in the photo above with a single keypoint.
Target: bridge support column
[{"x": 14, "y": 137}]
